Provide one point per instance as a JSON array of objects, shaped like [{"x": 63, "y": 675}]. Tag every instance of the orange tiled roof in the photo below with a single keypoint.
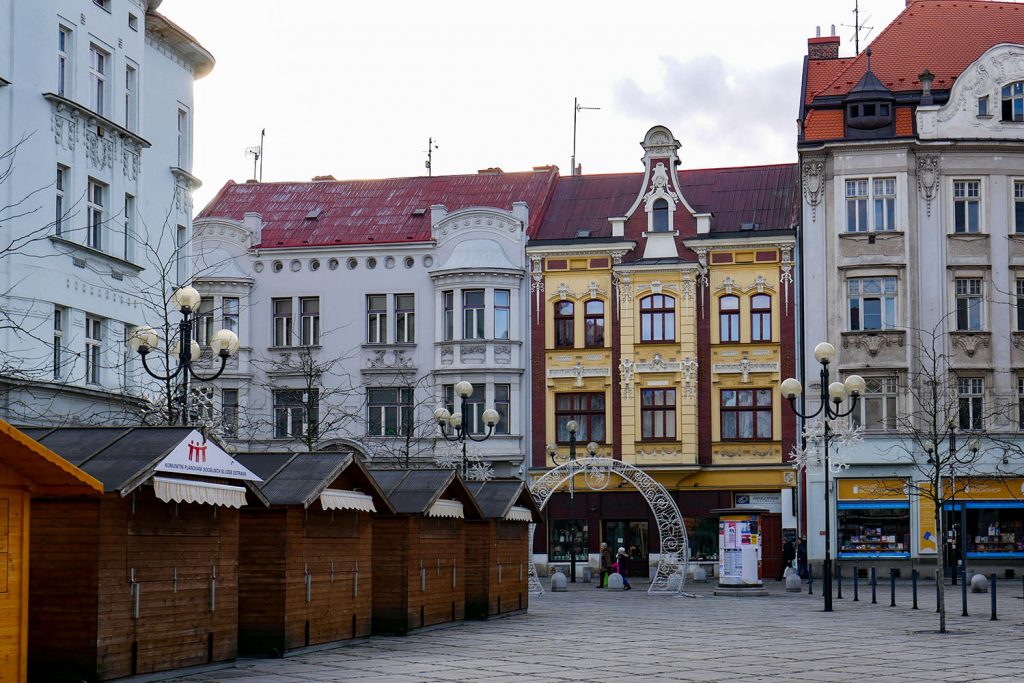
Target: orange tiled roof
[
  {"x": 821, "y": 72},
  {"x": 824, "y": 124},
  {"x": 904, "y": 122}
]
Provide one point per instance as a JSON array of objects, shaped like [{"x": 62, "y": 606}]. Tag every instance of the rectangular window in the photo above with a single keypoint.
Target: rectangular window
[
  {"x": 972, "y": 402},
  {"x": 565, "y": 324},
  {"x": 131, "y": 95},
  {"x": 503, "y": 404},
  {"x": 746, "y": 414},
  {"x": 94, "y": 214},
  {"x": 59, "y": 205},
  {"x": 127, "y": 372},
  {"x": 181, "y": 255},
  {"x": 658, "y": 414},
  {"x": 874, "y": 211},
  {"x": 64, "y": 70},
  {"x": 1018, "y": 206},
  {"x": 448, "y": 300},
  {"x": 967, "y": 206},
  {"x": 968, "y": 304},
  {"x": 593, "y": 324},
  {"x": 376, "y": 319},
  {"x": 657, "y": 318},
  {"x": 874, "y": 531},
  {"x": 133, "y": 22},
  {"x": 296, "y": 413},
  {"x": 202, "y": 326},
  {"x": 129, "y": 225},
  {"x": 282, "y": 322},
  {"x": 983, "y": 106},
  {"x": 103, "y": 4},
  {"x": 872, "y": 303},
  {"x": 856, "y": 206},
  {"x": 588, "y": 410},
  {"x": 309, "y": 309},
  {"x": 405, "y": 318},
  {"x": 229, "y": 412},
  {"x": 183, "y": 157},
  {"x": 99, "y": 61},
  {"x": 58, "y": 342},
  {"x": 876, "y": 410},
  {"x": 883, "y": 195},
  {"x": 229, "y": 311},
  {"x": 472, "y": 314},
  {"x": 502, "y": 313},
  {"x": 389, "y": 411},
  {"x": 93, "y": 345}
]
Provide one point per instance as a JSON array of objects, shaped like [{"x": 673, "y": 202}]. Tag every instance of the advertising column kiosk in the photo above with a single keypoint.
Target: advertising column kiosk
[{"x": 739, "y": 552}]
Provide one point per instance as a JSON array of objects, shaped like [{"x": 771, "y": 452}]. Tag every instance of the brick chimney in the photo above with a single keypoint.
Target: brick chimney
[{"x": 826, "y": 47}]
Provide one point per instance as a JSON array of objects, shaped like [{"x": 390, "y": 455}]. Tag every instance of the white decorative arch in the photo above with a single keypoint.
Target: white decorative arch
[{"x": 597, "y": 474}]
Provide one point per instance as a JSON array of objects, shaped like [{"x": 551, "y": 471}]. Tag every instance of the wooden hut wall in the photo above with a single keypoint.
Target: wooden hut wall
[
  {"x": 261, "y": 578},
  {"x": 391, "y": 583},
  {"x": 14, "y": 546},
  {"x": 496, "y": 564}
]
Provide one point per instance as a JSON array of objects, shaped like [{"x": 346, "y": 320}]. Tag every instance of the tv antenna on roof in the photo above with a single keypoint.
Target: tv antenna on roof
[
  {"x": 257, "y": 156},
  {"x": 431, "y": 146},
  {"x": 857, "y": 27},
  {"x": 576, "y": 109}
]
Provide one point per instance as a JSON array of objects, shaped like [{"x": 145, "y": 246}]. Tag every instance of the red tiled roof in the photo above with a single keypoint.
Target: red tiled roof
[
  {"x": 941, "y": 36},
  {"x": 374, "y": 211},
  {"x": 765, "y": 195},
  {"x": 824, "y": 124},
  {"x": 821, "y": 72}
]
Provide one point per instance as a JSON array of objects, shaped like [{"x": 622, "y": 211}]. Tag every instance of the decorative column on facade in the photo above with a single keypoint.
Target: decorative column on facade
[{"x": 537, "y": 285}]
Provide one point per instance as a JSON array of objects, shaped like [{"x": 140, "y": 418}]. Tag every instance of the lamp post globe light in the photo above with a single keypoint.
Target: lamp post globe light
[
  {"x": 832, "y": 396},
  {"x": 572, "y": 427},
  {"x": 455, "y": 428},
  {"x": 187, "y": 350}
]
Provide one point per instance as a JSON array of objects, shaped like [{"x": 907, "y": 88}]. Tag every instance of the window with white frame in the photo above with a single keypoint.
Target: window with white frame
[
  {"x": 202, "y": 324},
  {"x": 1013, "y": 101},
  {"x": 127, "y": 365},
  {"x": 64, "y": 70},
  {"x": 93, "y": 349},
  {"x": 969, "y": 304},
  {"x": 59, "y": 205},
  {"x": 502, "y": 313},
  {"x": 296, "y": 413},
  {"x": 876, "y": 410},
  {"x": 229, "y": 313},
  {"x": 376, "y": 319},
  {"x": 99, "y": 63},
  {"x": 448, "y": 304},
  {"x": 405, "y": 318},
  {"x": 229, "y": 412},
  {"x": 183, "y": 157},
  {"x": 1020, "y": 304},
  {"x": 983, "y": 106},
  {"x": 129, "y": 225},
  {"x": 389, "y": 411},
  {"x": 967, "y": 206},
  {"x": 181, "y": 254},
  {"x": 1020, "y": 402},
  {"x": 94, "y": 213},
  {"x": 282, "y": 322},
  {"x": 131, "y": 97},
  {"x": 872, "y": 303},
  {"x": 972, "y": 402},
  {"x": 309, "y": 310},
  {"x": 870, "y": 204},
  {"x": 503, "y": 404},
  {"x": 59, "y": 316},
  {"x": 1018, "y": 206},
  {"x": 472, "y": 314}
]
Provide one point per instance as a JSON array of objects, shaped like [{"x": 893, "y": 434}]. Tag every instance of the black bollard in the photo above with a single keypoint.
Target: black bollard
[
  {"x": 992, "y": 588},
  {"x": 839, "y": 582},
  {"x": 855, "y": 596},
  {"x": 874, "y": 587},
  {"x": 810, "y": 580},
  {"x": 963, "y": 591},
  {"x": 938, "y": 577},
  {"x": 913, "y": 586},
  {"x": 892, "y": 587}
]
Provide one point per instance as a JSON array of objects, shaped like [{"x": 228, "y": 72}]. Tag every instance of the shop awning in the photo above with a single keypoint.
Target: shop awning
[
  {"x": 336, "y": 499},
  {"x": 191, "y": 491},
  {"x": 519, "y": 514},
  {"x": 446, "y": 508}
]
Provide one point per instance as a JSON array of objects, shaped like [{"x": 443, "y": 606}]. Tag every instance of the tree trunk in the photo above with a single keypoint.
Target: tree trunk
[{"x": 940, "y": 581}]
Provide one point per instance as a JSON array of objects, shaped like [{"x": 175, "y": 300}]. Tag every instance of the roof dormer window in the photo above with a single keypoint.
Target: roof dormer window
[
  {"x": 1013, "y": 101},
  {"x": 659, "y": 216}
]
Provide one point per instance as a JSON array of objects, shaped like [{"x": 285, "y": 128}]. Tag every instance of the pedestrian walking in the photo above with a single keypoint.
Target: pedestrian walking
[
  {"x": 788, "y": 555},
  {"x": 606, "y": 565},
  {"x": 622, "y": 567},
  {"x": 801, "y": 557}
]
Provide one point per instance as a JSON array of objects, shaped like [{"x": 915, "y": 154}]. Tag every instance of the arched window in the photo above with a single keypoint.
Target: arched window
[
  {"x": 1013, "y": 101},
  {"x": 564, "y": 324},
  {"x": 657, "y": 318},
  {"x": 593, "y": 324},
  {"x": 729, "y": 318},
  {"x": 760, "y": 318},
  {"x": 659, "y": 219}
]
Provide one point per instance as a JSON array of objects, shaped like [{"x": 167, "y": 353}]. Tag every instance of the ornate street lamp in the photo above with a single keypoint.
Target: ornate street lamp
[
  {"x": 558, "y": 459},
  {"x": 457, "y": 423},
  {"x": 224, "y": 343},
  {"x": 832, "y": 396}
]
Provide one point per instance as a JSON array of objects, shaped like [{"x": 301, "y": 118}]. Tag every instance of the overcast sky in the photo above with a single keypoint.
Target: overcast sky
[{"x": 355, "y": 89}]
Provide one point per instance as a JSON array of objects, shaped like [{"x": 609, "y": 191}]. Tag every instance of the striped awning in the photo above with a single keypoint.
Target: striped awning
[
  {"x": 519, "y": 514},
  {"x": 191, "y": 491},
  {"x": 336, "y": 499},
  {"x": 446, "y": 508}
]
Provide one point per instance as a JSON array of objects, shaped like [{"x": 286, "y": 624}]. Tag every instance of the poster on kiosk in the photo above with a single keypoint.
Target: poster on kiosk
[{"x": 739, "y": 549}]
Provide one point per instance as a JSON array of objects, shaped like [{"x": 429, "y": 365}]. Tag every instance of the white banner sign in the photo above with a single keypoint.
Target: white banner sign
[
  {"x": 770, "y": 501},
  {"x": 195, "y": 455}
]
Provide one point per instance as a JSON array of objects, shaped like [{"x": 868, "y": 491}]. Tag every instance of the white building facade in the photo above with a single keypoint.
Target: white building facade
[{"x": 96, "y": 100}]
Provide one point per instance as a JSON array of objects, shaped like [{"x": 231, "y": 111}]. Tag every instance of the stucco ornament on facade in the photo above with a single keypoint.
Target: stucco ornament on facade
[
  {"x": 99, "y": 151},
  {"x": 786, "y": 275},
  {"x": 659, "y": 364},
  {"x": 537, "y": 284},
  {"x": 928, "y": 178},
  {"x": 872, "y": 342},
  {"x": 814, "y": 184},
  {"x": 622, "y": 281},
  {"x": 578, "y": 372},
  {"x": 626, "y": 377},
  {"x": 64, "y": 123},
  {"x": 689, "y": 365}
]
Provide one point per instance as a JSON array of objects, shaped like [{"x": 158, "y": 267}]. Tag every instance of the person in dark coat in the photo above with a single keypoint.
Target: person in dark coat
[
  {"x": 788, "y": 555},
  {"x": 801, "y": 557},
  {"x": 622, "y": 561},
  {"x": 606, "y": 565}
]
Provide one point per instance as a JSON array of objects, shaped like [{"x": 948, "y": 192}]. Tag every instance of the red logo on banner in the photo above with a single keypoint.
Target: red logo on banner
[{"x": 196, "y": 451}]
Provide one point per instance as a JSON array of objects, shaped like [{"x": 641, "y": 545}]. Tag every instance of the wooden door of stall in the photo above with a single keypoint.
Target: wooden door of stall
[
  {"x": 771, "y": 545},
  {"x": 13, "y": 595}
]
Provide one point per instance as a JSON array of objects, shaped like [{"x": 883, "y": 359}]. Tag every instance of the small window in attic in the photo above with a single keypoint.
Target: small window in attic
[
  {"x": 314, "y": 214},
  {"x": 582, "y": 233},
  {"x": 983, "y": 106},
  {"x": 1013, "y": 101},
  {"x": 659, "y": 222},
  {"x": 419, "y": 212}
]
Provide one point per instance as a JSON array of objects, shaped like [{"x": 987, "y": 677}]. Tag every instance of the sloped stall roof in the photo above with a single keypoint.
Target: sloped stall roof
[
  {"x": 497, "y": 497},
  {"x": 300, "y": 478},
  {"x": 415, "y": 491}
]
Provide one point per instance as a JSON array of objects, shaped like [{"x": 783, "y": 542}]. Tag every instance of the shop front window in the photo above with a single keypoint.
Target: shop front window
[
  {"x": 702, "y": 533},
  {"x": 995, "y": 529},
  {"x": 629, "y": 535},
  {"x": 874, "y": 529},
  {"x": 565, "y": 537}
]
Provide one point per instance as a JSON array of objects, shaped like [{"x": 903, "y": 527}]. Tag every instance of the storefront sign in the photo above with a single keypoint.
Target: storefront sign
[
  {"x": 770, "y": 501},
  {"x": 872, "y": 489},
  {"x": 972, "y": 488},
  {"x": 928, "y": 538},
  {"x": 198, "y": 456}
]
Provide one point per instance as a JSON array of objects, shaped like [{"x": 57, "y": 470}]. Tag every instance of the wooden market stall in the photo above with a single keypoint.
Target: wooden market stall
[
  {"x": 498, "y": 549},
  {"x": 419, "y": 571},
  {"x": 28, "y": 470},
  {"x": 145, "y": 577},
  {"x": 305, "y": 564}
]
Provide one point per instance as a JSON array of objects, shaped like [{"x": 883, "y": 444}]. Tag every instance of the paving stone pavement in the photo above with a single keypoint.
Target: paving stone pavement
[{"x": 597, "y": 635}]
